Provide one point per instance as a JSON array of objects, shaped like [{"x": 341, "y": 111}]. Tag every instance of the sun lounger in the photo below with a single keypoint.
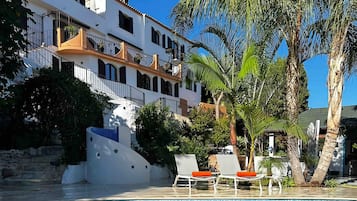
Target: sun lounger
[
  {"x": 230, "y": 169},
  {"x": 187, "y": 169}
]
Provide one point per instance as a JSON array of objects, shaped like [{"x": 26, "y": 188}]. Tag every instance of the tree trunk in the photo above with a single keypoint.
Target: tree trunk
[
  {"x": 251, "y": 156},
  {"x": 217, "y": 102},
  {"x": 335, "y": 88},
  {"x": 233, "y": 135},
  {"x": 292, "y": 96}
]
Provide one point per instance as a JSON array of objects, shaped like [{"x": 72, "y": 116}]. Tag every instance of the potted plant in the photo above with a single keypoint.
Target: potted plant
[
  {"x": 137, "y": 58},
  {"x": 100, "y": 46},
  {"x": 269, "y": 162},
  {"x": 71, "y": 30}
]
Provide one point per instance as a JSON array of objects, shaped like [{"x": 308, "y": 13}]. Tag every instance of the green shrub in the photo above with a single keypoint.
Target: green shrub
[
  {"x": 220, "y": 136},
  {"x": 288, "y": 182},
  {"x": 53, "y": 101},
  {"x": 331, "y": 183},
  {"x": 157, "y": 133}
]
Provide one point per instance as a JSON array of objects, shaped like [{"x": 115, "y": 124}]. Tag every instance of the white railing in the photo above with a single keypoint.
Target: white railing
[
  {"x": 174, "y": 105},
  {"x": 103, "y": 45},
  {"x": 111, "y": 88},
  {"x": 139, "y": 57},
  {"x": 169, "y": 67},
  {"x": 42, "y": 57}
]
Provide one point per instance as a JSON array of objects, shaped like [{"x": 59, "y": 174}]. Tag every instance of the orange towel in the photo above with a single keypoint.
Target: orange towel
[
  {"x": 202, "y": 174},
  {"x": 246, "y": 174}
]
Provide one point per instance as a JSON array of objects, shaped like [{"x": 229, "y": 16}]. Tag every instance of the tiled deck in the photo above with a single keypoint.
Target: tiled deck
[{"x": 162, "y": 190}]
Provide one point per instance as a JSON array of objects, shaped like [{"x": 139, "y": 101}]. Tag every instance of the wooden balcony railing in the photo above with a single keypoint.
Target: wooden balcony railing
[{"x": 83, "y": 43}]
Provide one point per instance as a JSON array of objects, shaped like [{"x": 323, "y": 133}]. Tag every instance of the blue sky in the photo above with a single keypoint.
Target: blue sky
[{"x": 316, "y": 67}]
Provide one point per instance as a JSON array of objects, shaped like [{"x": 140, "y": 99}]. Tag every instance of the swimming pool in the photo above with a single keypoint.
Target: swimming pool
[{"x": 332, "y": 199}]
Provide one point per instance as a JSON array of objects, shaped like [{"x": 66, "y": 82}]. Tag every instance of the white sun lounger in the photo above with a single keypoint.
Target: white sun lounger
[
  {"x": 186, "y": 164},
  {"x": 229, "y": 166}
]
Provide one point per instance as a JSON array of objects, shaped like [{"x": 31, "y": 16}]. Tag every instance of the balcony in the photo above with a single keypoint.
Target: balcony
[{"x": 82, "y": 42}]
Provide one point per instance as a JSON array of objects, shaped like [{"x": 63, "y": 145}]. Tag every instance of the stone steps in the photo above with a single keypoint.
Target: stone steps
[
  {"x": 36, "y": 165},
  {"x": 42, "y": 159}
]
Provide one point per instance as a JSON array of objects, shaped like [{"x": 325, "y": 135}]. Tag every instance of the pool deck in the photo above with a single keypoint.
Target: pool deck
[{"x": 162, "y": 190}]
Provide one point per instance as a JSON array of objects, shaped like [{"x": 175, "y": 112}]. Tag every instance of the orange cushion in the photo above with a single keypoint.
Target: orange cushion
[
  {"x": 202, "y": 174},
  {"x": 246, "y": 174}
]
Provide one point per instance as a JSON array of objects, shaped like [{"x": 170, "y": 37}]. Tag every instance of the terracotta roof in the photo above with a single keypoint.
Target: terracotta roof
[{"x": 208, "y": 106}]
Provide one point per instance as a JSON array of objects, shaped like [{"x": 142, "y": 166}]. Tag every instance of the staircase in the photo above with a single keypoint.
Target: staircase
[{"x": 32, "y": 165}]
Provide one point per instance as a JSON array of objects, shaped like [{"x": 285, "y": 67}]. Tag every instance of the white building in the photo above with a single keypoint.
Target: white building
[
  {"x": 123, "y": 53},
  {"x": 115, "y": 48}
]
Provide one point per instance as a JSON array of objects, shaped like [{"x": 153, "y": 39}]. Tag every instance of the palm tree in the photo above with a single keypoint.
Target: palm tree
[
  {"x": 224, "y": 67},
  {"x": 288, "y": 18},
  {"x": 223, "y": 75},
  {"x": 342, "y": 37},
  {"x": 256, "y": 122}
]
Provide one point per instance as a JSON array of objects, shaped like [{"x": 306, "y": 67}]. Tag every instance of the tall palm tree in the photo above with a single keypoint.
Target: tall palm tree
[
  {"x": 222, "y": 70},
  {"x": 288, "y": 18},
  {"x": 342, "y": 37}
]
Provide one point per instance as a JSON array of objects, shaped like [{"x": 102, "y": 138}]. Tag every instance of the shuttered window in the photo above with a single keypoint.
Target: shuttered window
[{"x": 125, "y": 22}]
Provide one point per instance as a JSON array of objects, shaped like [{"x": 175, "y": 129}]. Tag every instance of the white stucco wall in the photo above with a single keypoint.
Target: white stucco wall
[
  {"x": 124, "y": 114},
  {"x": 110, "y": 162},
  {"x": 104, "y": 19},
  {"x": 78, "y": 12}
]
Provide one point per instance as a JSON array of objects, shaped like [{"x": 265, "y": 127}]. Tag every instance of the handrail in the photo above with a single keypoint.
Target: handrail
[
  {"x": 43, "y": 57},
  {"x": 173, "y": 105},
  {"x": 103, "y": 45},
  {"x": 88, "y": 41}
]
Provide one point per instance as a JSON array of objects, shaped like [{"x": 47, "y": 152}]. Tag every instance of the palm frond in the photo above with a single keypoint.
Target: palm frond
[
  {"x": 254, "y": 119},
  {"x": 290, "y": 128},
  {"x": 351, "y": 50},
  {"x": 207, "y": 71},
  {"x": 249, "y": 63}
]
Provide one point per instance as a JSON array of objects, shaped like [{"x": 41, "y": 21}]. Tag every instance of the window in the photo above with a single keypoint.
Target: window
[
  {"x": 125, "y": 22},
  {"x": 101, "y": 69},
  {"x": 166, "y": 87},
  {"x": 164, "y": 41},
  {"x": 55, "y": 63},
  {"x": 154, "y": 84},
  {"x": 122, "y": 74},
  {"x": 176, "y": 90},
  {"x": 67, "y": 67},
  {"x": 169, "y": 42},
  {"x": 155, "y": 36},
  {"x": 116, "y": 50},
  {"x": 82, "y": 2},
  {"x": 175, "y": 50},
  {"x": 110, "y": 72},
  {"x": 169, "y": 88},
  {"x": 182, "y": 50},
  {"x": 189, "y": 79},
  {"x": 107, "y": 71},
  {"x": 143, "y": 80},
  {"x": 188, "y": 83}
]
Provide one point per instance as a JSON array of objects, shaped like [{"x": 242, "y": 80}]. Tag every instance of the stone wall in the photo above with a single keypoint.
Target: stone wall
[{"x": 35, "y": 165}]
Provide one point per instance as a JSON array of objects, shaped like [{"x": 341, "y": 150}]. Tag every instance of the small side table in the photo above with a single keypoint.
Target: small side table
[{"x": 276, "y": 179}]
